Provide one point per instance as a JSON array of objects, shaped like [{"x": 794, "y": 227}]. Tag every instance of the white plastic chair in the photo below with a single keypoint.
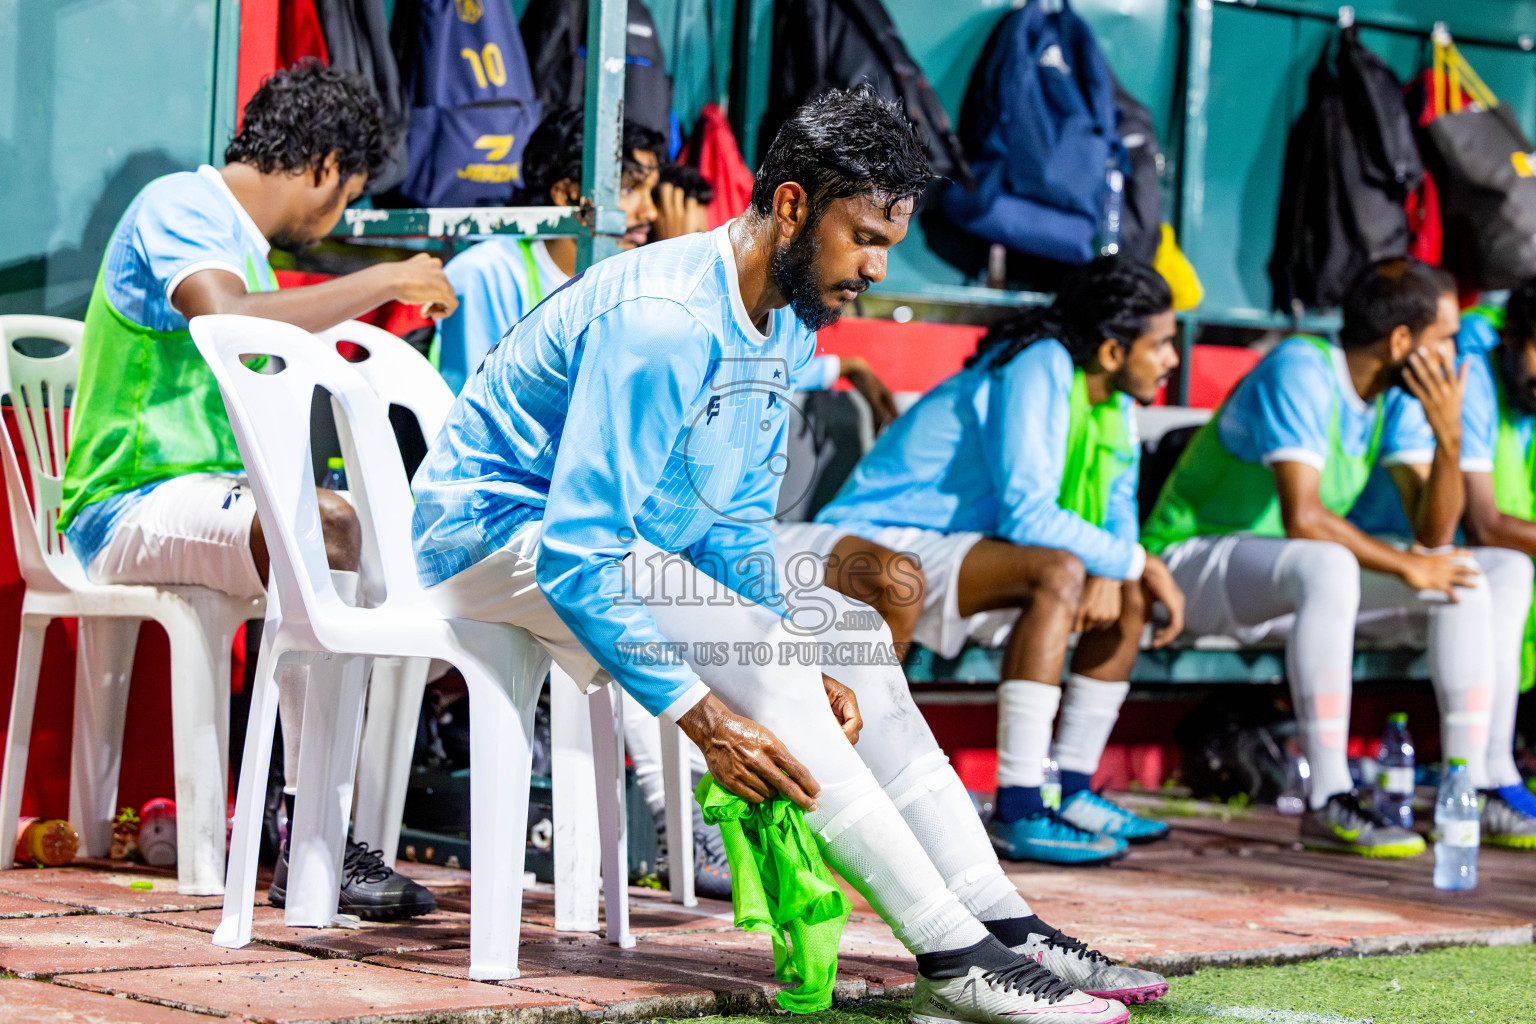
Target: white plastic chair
[
  {"x": 401, "y": 376},
  {"x": 309, "y": 625},
  {"x": 200, "y": 623},
  {"x": 590, "y": 819}
]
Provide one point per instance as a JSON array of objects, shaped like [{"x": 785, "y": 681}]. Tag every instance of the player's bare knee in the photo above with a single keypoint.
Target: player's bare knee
[
  {"x": 343, "y": 533},
  {"x": 1060, "y": 579},
  {"x": 902, "y": 588}
]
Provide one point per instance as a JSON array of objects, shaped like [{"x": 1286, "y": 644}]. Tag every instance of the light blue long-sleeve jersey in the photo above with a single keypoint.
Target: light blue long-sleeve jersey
[
  {"x": 984, "y": 451},
  {"x": 637, "y": 401}
]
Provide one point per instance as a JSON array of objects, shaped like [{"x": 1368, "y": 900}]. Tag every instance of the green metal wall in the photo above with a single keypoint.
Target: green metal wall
[
  {"x": 1258, "y": 68},
  {"x": 97, "y": 97},
  {"x": 1259, "y": 56}
]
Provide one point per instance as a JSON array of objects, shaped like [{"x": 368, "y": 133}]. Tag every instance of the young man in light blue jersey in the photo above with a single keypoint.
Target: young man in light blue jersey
[
  {"x": 605, "y": 481},
  {"x": 154, "y": 489},
  {"x": 1013, "y": 484},
  {"x": 499, "y": 280},
  {"x": 1252, "y": 524}
]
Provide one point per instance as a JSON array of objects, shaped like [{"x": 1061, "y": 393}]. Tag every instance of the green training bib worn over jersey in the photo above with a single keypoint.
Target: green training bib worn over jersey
[
  {"x": 1514, "y": 493},
  {"x": 147, "y": 406},
  {"x": 1098, "y": 451},
  {"x": 1212, "y": 492}
]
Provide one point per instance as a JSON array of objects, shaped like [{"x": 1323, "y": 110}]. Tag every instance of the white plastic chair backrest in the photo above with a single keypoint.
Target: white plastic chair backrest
[
  {"x": 37, "y": 386},
  {"x": 397, "y": 373},
  {"x": 269, "y": 413}
]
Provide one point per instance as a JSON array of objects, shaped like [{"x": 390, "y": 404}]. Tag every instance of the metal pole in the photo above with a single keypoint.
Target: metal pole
[
  {"x": 607, "y": 21},
  {"x": 1197, "y": 89}
]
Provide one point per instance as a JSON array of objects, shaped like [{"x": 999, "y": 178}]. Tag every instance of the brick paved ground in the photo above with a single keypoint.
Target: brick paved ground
[{"x": 77, "y": 944}]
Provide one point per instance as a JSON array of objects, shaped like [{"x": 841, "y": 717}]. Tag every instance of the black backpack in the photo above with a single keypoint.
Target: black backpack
[
  {"x": 555, "y": 36},
  {"x": 838, "y": 44},
  {"x": 357, "y": 38},
  {"x": 1141, "y": 216},
  {"x": 1350, "y": 163}
]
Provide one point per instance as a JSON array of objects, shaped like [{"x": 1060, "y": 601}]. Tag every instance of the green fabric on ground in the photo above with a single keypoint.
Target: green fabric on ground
[{"x": 780, "y": 885}]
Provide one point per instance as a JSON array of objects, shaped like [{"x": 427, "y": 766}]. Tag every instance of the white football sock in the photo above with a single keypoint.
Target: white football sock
[
  {"x": 1089, "y": 709},
  {"x": 1461, "y": 659},
  {"x": 1509, "y": 580},
  {"x": 933, "y": 800},
  {"x": 864, "y": 839},
  {"x": 1025, "y": 713}
]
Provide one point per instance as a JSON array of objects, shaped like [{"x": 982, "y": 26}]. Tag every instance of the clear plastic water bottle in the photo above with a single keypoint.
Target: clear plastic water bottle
[
  {"x": 1394, "y": 772},
  {"x": 335, "y": 478},
  {"x": 1457, "y": 818},
  {"x": 1050, "y": 789},
  {"x": 1298, "y": 781}
]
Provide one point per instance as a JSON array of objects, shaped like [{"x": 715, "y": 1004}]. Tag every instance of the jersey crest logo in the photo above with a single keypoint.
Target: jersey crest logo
[
  {"x": 469, "y": 11},
  {"x": 713, "y": 409}
]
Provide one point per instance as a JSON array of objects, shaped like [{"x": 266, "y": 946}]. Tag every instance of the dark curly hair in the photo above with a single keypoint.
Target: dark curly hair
[
  {"x": 689, "y": 179},
  {"x": 553, "y": 153},
  {"x": 1112, "y": 297},
  {"x": 302, "y": 115},
  {"x": 844, "y": 144},
  {"x": 1391, "y": 293},
  {"x": 1520, "y": 315}
]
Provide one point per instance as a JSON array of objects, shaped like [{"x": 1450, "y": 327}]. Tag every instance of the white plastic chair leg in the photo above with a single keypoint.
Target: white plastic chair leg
[
  {"x": 395, "y": 690},
  {"x": 234, "y": 929},
  {"x": 576, "y": 844},
  {"x": 333, "y": 722},
  {"x": 677, "y": 778},
  {"x": 18, "y": 740},
  {"x": 103, "y": 670},
  {"x": 200, "y": 740},
  {"x": 612, "y": 817},
  {"x": 501, "y": 758}
]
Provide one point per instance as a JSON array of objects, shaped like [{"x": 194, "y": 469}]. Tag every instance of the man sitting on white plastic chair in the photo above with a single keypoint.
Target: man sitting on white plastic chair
[
  {"x": 154, "y": 490},
  {"x": 605, "y": 481}
]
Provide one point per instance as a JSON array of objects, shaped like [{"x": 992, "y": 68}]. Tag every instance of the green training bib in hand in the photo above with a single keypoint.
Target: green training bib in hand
[{"x": 780, "y": 885}]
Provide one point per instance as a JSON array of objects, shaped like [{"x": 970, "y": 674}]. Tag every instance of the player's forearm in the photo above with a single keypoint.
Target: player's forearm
[
  {"x": 1501, "y": 531},
  {"x": 1442, "y": 500},
  {"x": 1320, "y": 524},
  {"x": 316, "y": 307}
]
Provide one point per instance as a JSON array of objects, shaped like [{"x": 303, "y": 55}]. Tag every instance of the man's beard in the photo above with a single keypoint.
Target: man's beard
[
  {"x": 794, "y": 273},
  {"x": 288, "y": 243}
]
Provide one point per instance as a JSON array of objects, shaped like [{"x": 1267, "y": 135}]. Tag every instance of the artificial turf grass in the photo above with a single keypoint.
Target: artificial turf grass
[
  {"x": 1476, "y": 983},
  {"x": 1497, "y": 985}
]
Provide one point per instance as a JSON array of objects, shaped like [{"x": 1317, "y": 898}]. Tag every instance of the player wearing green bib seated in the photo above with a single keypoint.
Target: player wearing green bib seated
[
  {"x": 1252, "y": 525},
  {"x": 1498, "y": 462},
  {"x": 1013, "y": 485},
  {"x": 154, "y": 490}
]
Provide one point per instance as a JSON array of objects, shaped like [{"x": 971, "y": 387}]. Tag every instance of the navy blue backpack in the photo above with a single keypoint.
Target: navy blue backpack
[
  {"x": 472, "y": 101},
  {"x": 1039, "y": 128}
]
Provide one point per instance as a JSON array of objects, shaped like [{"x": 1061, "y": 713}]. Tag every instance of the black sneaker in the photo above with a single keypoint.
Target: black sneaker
[
  {"x": 369, "y": 889},
  {"x": 1346, "y": 825},
  {"x": 711, "y": 870}
]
